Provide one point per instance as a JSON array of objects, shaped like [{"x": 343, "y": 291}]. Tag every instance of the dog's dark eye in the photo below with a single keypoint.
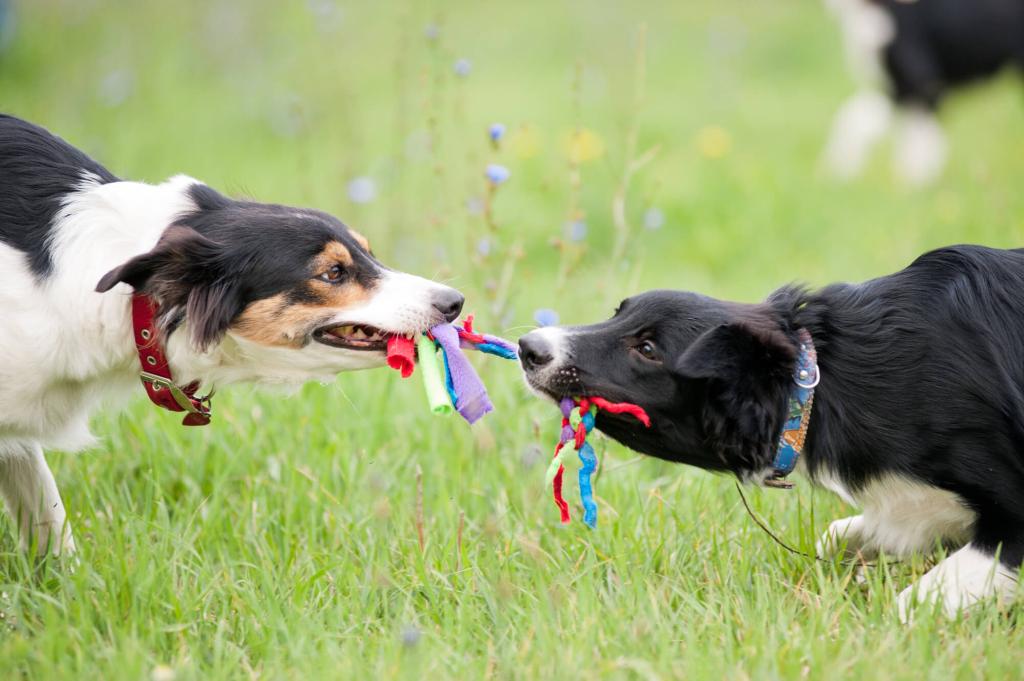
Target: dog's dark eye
[
  {"x": 646, "y": 349},
  {"x": 334, "y": 274}
]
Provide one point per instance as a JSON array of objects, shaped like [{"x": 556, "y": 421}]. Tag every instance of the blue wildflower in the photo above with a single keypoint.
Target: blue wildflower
[
  {"x": 545, "y": 317},
  {"x": 328, "y": 14},
  {"x": 462, "y": 67},
  {"x": 496, "y": 132},
  {"x": 362, "y": 190},
  {"x": 432, "y": 32},
  {"x": 116, "y": 87},
  {"x": 497, "y": 174},
  {"x": 483, "y": 247},
  {"x": 411, "y": 635},
  {"x": 653, "y": 218},
  {"x": 577, "y": 230}
]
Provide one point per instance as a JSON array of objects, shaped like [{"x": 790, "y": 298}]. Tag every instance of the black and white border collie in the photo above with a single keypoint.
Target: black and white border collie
[
  {"x": 906, "y": 55},
  {"x": 246, "y": 292},
  {"x": 918, "y": 418}
]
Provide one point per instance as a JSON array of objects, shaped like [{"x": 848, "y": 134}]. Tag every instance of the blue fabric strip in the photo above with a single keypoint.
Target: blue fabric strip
[
  {"x": 498, "y": 350},
  {"x": 448, "y": 376}
]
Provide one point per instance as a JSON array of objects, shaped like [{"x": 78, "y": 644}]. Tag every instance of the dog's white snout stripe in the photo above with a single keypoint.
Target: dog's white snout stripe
[{"x": 553, "y": 339}]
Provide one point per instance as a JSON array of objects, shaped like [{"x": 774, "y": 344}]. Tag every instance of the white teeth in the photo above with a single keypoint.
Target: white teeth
[{"x": 356, "y": 332}]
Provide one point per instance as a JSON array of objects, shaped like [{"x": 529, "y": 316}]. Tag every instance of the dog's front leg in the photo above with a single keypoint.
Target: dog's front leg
[
  {"x": 967, "y": 576},
  {"x": 848, "y": 536},
  {"x": 31, "y": 496}
]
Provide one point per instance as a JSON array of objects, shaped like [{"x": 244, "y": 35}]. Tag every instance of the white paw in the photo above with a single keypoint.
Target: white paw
[
  {"x": 904, "y": 605},
  {"x": 965, "y": 578},
  {"x": 843, "y": 537},
  {"x": 922, "y": 595},
  {"x": 53, "y": 537},
  {"x": 920, "y": 150},
  {"x": 858, "y": 126}
]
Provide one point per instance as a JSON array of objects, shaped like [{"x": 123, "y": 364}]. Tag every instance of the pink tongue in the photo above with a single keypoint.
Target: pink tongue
[{"x": 401, "y": 354}]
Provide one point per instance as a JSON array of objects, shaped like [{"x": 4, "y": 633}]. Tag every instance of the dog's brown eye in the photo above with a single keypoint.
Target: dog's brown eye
[
  {"x": 333, "y": 274},
  {"x": 646, "y": 350}
]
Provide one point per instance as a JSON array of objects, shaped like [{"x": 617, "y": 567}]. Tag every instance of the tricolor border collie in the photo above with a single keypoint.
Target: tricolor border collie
[
  {"x": 904, "y": 395},
  {"x": 907, "y": 54},
  {"x": 103, "y": 281}
]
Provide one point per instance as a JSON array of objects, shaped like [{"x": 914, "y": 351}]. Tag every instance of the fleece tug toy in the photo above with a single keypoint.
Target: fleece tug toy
[
  {"x": 578, "y": 415},
  {"x": 460, "y": 386}
]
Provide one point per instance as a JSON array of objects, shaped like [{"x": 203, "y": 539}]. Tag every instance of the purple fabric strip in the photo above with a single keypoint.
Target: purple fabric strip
[
  {"x": 493, "y": 340},
  {"x": 501, "y": 342},
  {"x": 473, "y": 401}
]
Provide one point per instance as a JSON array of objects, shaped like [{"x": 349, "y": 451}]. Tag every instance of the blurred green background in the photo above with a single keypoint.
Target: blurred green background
[{"x": 282, "y": 542}]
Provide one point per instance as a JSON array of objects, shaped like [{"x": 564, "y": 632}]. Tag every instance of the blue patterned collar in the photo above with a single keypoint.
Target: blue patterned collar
[{"x": 798, "y": 416}]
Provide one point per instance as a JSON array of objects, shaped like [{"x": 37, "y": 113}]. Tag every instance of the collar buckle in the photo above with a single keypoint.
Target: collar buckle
[{"x": 187, "y": 403}]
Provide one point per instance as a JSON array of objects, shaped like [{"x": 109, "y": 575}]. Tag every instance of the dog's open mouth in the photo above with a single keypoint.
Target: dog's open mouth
[{"x": 354, "y": 337}]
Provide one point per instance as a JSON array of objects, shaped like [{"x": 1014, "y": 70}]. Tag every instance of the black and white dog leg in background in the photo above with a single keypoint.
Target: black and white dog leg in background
[
  {"x": 863, "y": 119},
  {"x": 919, "y": 153},
  {"x": 861, "y": 122},
  {"x": 30, "y": 494}
]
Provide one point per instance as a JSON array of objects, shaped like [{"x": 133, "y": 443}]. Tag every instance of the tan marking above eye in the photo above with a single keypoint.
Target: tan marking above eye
[
  {"x": 277, "y": 321},
  {"x": 334, "y": 252},
  {"x": 361, "y": 240}
]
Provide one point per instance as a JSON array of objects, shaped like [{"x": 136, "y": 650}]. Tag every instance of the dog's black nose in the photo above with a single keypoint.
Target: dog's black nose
[
  {"x": 534, "y": 351},
  {"x": 449, "y": 303}
]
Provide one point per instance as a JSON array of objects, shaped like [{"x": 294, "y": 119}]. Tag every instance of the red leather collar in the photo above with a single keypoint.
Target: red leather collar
[{"x": 156, "y": 372}]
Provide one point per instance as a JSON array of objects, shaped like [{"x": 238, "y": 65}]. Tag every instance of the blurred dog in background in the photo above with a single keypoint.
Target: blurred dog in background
[{"x": 907, "y": 54}]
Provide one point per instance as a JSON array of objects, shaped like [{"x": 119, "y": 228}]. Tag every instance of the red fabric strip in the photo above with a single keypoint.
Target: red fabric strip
[
  {"x": 635, "y": 411},
  {"x": 402, "y": 354}
]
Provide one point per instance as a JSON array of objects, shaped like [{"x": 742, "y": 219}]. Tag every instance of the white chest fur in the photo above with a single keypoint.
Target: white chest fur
[{"x": 899, "y": 515}]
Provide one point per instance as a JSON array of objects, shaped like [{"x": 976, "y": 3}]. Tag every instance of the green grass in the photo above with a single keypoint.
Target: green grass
[{"x": 281, "y": 542}]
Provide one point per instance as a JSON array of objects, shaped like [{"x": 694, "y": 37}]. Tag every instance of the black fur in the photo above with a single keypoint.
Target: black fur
[
  {"x": 943, "y": 43},
  {"x": 923, "y": 375},
  {"x": 37, "y": 171}
]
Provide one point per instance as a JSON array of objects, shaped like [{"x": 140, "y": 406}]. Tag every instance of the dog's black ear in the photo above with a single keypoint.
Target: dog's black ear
[
  {"x": 185, "y": 274},
  {"x": 210, "y": 310},
  {"x": 744, "y": 369},
  {"x": 179, "y": 251},
  {"x": 737, "y": 348}
]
